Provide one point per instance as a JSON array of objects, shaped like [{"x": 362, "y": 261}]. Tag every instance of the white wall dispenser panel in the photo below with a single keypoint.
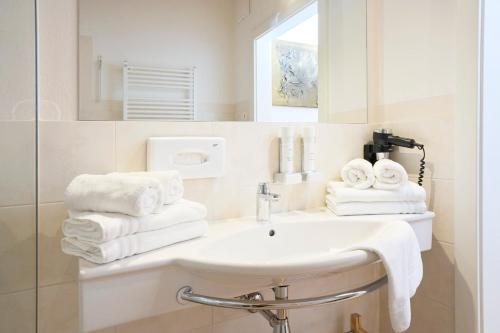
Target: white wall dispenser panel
[{"x": 193, "y": 157}]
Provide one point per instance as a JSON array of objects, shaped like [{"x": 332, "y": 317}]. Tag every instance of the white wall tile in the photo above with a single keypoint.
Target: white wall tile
[
  {"x": 17, "y": 249},
  {"x": 58, "y": 59},
  {"x": 58, "y": 308},
  {"x": 174, "y": 322},
  {"x": 442, "y": 204},
  {"x": 54, "y": 266},
  {"x": 17, "y": 164},
  {"x": 68, "y": 149},
  {"x": 18, "y": 312},
  {"x": 439, "y": 274}
]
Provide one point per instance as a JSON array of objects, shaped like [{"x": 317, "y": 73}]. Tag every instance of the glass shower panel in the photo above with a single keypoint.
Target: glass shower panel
[{"x": 18, "y": 128}]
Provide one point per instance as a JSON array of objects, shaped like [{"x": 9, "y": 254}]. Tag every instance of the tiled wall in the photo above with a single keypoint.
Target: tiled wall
[
  {"x": 415, "y": 96},
  {"x": 17, "y": 167},
  {"x": 434, "y": 303},
  {"x": 71, "y": 148},
  {"x": 415, "y": 101}
]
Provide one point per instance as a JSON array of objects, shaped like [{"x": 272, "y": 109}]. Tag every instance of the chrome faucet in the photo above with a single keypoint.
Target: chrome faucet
[{"x": 264, "y": 200}]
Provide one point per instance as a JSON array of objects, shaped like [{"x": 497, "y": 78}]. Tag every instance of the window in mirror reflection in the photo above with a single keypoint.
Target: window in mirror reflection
[{"x": 286, "y": 70}]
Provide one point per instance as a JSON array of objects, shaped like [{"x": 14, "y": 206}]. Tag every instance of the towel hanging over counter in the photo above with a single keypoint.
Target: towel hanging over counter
[{"x": 397, "y": 247}]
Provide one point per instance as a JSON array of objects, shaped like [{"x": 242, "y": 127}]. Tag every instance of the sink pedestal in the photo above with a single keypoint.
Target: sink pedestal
[
  {"x": 279, "y": 320},
  {"x": 280, "y": 325}
]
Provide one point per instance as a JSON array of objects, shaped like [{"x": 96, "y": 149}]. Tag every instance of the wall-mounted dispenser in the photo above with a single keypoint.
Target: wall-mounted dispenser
[
  {"x": 193, "y": 157},
  {"x": 287, "y": 174},
  {"x": 309, "y": 155}
]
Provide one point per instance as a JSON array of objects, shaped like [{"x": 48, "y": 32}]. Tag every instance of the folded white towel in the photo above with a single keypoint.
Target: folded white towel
[
  {"x": 103, "y": 227},
  {"x": 375, "y": 208},
  {"x": 397, "y": 247},
  {"x": 136, "y": 196},
  {"x": 101, "y": 253},
  {"x": 389, "y": 175},
  {"x": 410, "y": 192},
  {"x": 358, "y": 173},
  {"x": 171, "y": 181}
]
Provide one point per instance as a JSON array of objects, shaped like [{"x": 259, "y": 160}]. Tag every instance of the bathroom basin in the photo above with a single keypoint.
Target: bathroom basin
[
  {"x": 280, "y": 251},
  {"x": 237, "y": 256}
]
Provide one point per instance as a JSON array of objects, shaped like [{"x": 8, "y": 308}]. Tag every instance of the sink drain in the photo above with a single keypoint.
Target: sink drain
[{"x": 272, "y": 233}]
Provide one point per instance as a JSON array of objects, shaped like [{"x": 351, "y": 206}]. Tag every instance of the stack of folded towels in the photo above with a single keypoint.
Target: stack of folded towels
[
  {"x": 369, "y": 189},
  {"x": 118, "y": 215}
]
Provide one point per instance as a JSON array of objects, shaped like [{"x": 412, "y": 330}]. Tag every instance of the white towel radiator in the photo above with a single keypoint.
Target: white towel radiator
[{"x": 158, "y": 93}]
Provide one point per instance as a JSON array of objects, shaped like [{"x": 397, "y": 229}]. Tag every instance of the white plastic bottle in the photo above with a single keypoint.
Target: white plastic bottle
[
  {"x": 286, "y": 150},
  {"x": 309, "y": 150}
]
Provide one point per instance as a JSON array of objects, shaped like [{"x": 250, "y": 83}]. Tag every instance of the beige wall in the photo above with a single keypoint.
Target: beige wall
[
  {"x": 17, "y": 65},
  {"x": 121, "y": 146},
  {"x": 17, "y": 167},
  {"x": 416, "y": 97},
  {"x": 69, "y": 148},
  {"x": 466, "y": 162}
]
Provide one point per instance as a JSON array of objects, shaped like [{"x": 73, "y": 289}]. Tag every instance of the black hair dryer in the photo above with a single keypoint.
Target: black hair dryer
[{"x": 383, "y": 144}]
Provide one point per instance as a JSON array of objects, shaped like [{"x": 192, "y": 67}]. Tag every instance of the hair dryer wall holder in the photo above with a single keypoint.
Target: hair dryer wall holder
[{"x": 383, "y": 144}]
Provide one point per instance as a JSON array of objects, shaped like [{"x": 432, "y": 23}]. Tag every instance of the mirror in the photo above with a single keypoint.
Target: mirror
[{"x": 223, "y": 60}]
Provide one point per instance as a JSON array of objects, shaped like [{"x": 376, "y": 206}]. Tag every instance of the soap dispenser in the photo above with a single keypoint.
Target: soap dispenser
[
  {"x": 309, "y": 142},
  {"x": 286, "y": 150},
  {"x": 287, "y": 174},
  {"x": 309, "y": 150}
]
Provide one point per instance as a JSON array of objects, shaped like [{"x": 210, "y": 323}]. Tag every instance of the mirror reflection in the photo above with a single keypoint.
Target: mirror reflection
[{"x": 222, "y": 60}]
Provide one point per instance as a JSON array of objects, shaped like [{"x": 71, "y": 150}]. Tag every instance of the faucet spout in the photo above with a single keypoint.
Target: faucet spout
[{"x": 264, "y": 200}]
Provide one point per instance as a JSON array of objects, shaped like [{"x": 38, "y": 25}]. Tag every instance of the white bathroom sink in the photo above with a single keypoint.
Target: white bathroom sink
[
  {"x": 237, "y": 256},
  {"x": 280, "y": 251}
]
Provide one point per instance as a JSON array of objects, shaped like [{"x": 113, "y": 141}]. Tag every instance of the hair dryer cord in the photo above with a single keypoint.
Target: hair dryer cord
[{"x": 422, "y": 166}]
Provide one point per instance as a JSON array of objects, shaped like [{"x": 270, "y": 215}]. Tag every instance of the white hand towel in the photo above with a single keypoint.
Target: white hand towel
[
  {"x": 101, "y": 253},
  {"x": 136, "y": 196},
  {"x": 397, "y": 247},
  {"x": 103, "y": 227},
  {"x": 171, "y": 181},
  {"x": 375, "y": 208},
  {"x": 389, "y": 175},
  {"x": 358, "y": 173},
  {"x": 410, "y": 192}
]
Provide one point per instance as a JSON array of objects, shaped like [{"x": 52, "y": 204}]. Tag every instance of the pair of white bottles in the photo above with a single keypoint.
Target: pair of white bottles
[{"x": 287, "y": 150}]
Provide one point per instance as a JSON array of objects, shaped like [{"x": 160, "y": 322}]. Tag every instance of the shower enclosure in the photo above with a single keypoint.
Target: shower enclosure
[{"x": 18, "y": 167}]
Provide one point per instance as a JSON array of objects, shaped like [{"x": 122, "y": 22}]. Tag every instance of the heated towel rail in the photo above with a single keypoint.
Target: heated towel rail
[{"x": 151, "y": 93}]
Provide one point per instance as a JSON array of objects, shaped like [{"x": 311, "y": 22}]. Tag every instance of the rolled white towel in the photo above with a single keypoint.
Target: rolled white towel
[
  {"x": 358, "y": 173},
  {"x": 411, "y": 192},
  {"x": 101, "y": 253},
  {"x": 136, "y": 196},
  {"x": 375, "y": 208},
  {"x": 171, "y": 181},
  {"x": 389, "y": 175},
  {"x": 103, "y": 227}
]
